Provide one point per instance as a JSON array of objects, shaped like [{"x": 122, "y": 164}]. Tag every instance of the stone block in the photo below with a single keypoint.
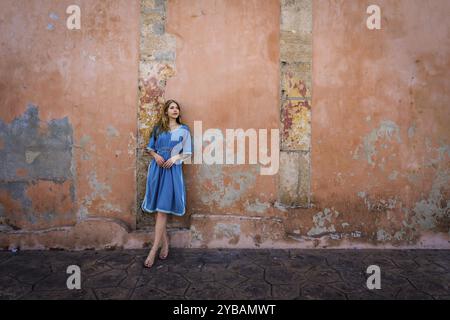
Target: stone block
[{"x": 294, "y": 179}]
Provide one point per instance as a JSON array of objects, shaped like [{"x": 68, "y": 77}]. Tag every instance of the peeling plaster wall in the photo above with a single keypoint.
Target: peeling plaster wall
[
  {"x": 68, "y": 103},
  {"x": 380, "y": 133},
  {"x": 363, "y": 118}
]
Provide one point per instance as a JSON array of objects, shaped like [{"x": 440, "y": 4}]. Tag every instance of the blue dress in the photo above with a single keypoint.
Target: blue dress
[{"x": 165, "y": 189}]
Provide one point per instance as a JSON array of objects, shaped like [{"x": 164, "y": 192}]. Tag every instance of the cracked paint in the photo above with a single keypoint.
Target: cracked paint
[
  {"x": 228, "y": 231},
  {"x": 36, "y": 171},
  {"x": 428, "y": 212},
  {"x": 257, "y": 206},
  {"x": 96, "y": 199},
  {"x": 296, "y": 119},
  {"x": 386, "y": 131},
  {"x": 223, "y": 189},
  {"x": 323, "y": 222},
  {"x": 44, "y": 149},
  {"x": 383, "y": 235},
  {"x": 378, "y": 205}
]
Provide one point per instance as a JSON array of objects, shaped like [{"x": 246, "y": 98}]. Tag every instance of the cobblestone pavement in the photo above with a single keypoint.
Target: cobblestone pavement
[{"x": 200, "y": 274}]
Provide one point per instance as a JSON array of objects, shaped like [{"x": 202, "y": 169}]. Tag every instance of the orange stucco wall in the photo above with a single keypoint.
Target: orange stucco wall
[
  {"x": 381, "y": 107},
  {"x": 379, "y": 121},
  {"x": 86, "y": 78}
]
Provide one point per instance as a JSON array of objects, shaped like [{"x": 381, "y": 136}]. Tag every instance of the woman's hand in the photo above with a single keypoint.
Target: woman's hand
[
  {"x": 169, "y": 162},
  {"x": 159, "y": 159}
]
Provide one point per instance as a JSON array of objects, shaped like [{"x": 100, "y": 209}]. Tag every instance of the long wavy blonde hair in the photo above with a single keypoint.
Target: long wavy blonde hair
[{"x": 163, "y": 119}]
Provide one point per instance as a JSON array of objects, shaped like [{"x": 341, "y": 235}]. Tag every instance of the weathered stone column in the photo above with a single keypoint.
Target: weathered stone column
[
  {"x": 296, "y": 93},
  {"x": 157, "y": 64}
]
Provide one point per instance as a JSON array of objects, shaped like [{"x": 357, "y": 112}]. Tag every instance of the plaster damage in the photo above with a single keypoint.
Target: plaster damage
[
  {"x": 379, "y": 132},
  {"x": 36, "y": 177},
  {"x": 388, "y": 131},
  {"x": 323, "y": 222},
  {"x": 225, "y": 187},
  {"x": 62, "y": 119},
  {"x": 434, "y": 211}
]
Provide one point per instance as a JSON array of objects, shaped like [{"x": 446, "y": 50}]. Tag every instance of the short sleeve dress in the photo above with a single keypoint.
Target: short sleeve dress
[{"x": 165, "y": 189}]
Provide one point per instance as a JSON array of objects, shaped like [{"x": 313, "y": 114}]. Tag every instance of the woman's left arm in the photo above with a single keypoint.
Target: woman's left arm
[{"x": 186, "y": 151}]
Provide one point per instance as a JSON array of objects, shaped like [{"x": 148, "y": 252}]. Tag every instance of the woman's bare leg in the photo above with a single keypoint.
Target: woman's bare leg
[
  {"x": 165, "y": 244},
  {"x": 160, "y": 225}
]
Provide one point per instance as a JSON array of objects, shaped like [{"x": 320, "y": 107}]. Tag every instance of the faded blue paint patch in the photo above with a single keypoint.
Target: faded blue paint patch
[
  {"x": 430, "y": 212},
  {"x": 45, "y": 154},
  {"x": 225, "y": 195},
  {"x": 50, "y": 26},
  {"x": 411, "y": 131},
  {"x": 53, "y": 16},
  {"x": 384, "y": 135},
  {"x": 393, "y": 175},
  {"x": 34, "y": 150},
  {"x": 17, "y": 191}
]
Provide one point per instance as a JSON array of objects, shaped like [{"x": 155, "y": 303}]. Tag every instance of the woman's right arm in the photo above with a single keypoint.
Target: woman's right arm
[
  {"x": 159, "y": 159},
  {"x": 151, "y": 149},
  {"x": 152, "y": 152}
]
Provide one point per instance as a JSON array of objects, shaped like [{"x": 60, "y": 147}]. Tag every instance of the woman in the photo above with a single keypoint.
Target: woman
[{"x": 170, "y": 144}]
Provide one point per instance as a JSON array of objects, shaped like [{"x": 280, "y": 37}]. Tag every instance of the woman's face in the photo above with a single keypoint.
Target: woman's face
[{"x": 173, "y": 111}]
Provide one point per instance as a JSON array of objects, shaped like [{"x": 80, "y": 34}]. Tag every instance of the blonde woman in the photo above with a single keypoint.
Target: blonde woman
[{"x": 170, "y": 144}]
